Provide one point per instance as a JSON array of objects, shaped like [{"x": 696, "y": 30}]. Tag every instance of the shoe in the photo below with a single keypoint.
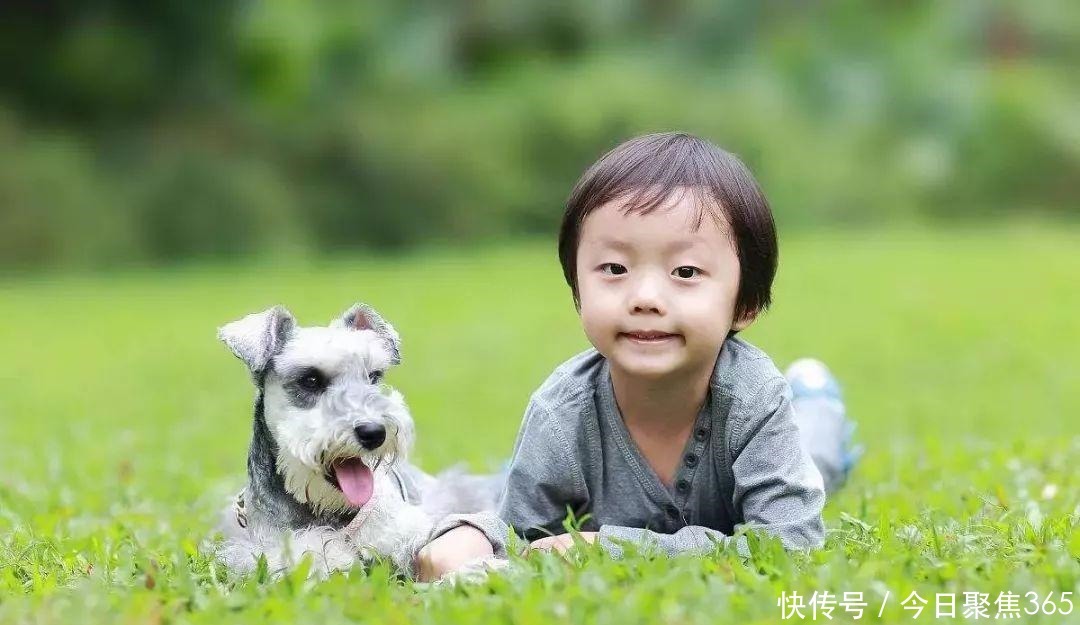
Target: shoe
[{"x": 827, "y": 433}]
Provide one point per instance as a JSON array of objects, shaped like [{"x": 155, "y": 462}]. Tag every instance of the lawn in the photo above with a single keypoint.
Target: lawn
[{"x": 124, "y": 426}]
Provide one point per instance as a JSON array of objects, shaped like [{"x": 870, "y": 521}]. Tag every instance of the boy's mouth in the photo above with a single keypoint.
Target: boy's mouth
[{"x": 648, "y": 336}]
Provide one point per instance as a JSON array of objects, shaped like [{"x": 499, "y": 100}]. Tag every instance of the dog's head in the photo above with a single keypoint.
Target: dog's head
[{"x": 333, "y": 420}]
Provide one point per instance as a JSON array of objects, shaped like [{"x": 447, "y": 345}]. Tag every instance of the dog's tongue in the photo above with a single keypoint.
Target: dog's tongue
[{"x": 355, "y": 480}]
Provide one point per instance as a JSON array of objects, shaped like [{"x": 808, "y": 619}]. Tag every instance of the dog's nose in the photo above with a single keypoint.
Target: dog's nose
[{"x": 370, "y": 435}]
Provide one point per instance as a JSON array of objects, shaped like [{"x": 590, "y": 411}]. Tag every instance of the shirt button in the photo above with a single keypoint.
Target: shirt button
[
  {"x": 672, "y": 511},
  {"x": 701, "y": 434},
  {"x": 691, "y": 460},
  {"x": 682, "y": 485}
]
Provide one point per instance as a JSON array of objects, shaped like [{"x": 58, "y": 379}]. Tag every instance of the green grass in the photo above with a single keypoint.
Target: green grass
[{"x": 124, "y": 425}]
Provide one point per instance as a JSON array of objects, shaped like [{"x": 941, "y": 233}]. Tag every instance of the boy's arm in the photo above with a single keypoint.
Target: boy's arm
[
  {"x": 690, "y": 539},
  {"x": 543, "y": 479},
  {"x": 777, "y": 486}
]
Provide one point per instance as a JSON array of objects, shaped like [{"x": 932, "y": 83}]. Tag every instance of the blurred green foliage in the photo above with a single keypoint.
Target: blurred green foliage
[{"x": 148, "y": 132}]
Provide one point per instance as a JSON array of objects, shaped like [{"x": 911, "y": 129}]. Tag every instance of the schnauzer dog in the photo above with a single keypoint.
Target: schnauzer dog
[{"x": 328, "y": 475}]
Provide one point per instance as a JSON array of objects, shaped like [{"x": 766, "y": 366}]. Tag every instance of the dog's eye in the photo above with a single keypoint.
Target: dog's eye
[
  {"x": 311, "y": 381},
  {"x": 375, "y": 377}
]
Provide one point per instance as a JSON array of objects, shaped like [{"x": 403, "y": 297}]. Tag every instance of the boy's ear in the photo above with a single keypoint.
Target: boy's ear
[{"x": 744, "y": 322}]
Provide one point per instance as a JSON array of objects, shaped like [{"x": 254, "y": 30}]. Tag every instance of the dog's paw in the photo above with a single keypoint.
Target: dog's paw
[{"x": 329, "y": 551}]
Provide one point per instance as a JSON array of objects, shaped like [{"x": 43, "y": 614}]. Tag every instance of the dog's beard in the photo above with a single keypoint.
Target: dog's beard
[
  {"x": 341, "y": 480},
  {"x": 317, "y": 488}
]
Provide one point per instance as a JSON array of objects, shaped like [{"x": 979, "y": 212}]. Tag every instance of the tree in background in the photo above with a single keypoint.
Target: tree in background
[{"x": 134, "y": 132}]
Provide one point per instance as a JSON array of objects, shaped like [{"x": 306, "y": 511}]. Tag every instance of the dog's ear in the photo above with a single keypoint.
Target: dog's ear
[
  {"x": 257, "y": 337},
  {"x": 363, "y": 317}
]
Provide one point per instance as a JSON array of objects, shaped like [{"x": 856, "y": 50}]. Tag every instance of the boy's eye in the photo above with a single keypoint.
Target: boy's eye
[
  {"x": 686, "y": 272},
  {"x": 614, "y": 269}
]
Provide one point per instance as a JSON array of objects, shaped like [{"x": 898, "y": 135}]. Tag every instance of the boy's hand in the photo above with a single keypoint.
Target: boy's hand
[
  {"x": 562, "y": 542},
  {"x": 450, "y": 551}
]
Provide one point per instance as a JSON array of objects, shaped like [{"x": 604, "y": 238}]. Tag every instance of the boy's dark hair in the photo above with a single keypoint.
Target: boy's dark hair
[{"x": 647, "y": 170}]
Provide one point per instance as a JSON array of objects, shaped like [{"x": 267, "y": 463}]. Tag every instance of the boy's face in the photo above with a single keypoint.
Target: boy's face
[{"x": 657, "y": 297}]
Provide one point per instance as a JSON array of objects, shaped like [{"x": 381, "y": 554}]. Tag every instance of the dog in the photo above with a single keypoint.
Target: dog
[{"x": 328, "y": 470}]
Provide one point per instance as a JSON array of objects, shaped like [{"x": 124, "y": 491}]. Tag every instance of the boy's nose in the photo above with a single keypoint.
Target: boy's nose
[
  {"x": 646, "y": 307},
  {"x": 645, "y": 298}
]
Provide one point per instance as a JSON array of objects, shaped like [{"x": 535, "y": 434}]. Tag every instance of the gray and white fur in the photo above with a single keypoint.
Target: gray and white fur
[{"x": 320, "y": 400}]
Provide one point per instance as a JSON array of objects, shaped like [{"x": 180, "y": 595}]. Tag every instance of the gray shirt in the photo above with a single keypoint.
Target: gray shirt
[{"x": 742, "y": 465}]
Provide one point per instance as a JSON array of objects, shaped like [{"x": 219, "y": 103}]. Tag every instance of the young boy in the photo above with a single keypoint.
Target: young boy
[{"x": 672, "y": 430}]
